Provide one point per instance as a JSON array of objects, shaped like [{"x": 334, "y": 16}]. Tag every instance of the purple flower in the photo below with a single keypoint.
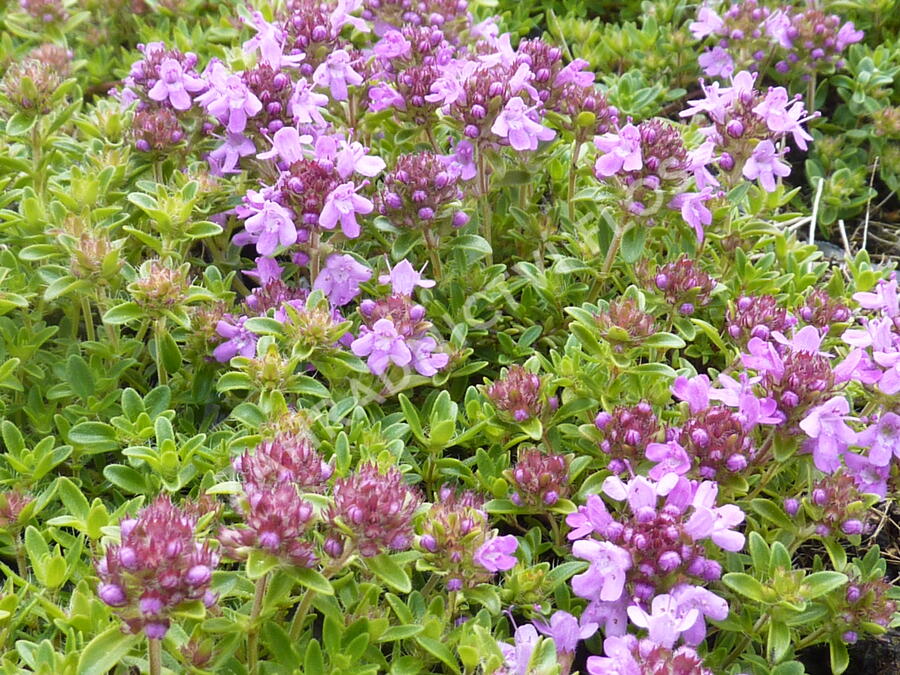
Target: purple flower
[
  {"x": 780, "y": 118},
  {"x": 622, "y": 151},
  {"x": 269, "y": 40},
  {"x": 588, "y": 519},
  {"x": 885, "y": 298},
  {"x": 341, "y": 278},
  {"x": 693, "y": 209},
  {"x": 289, "y": 145},
  {"x": 707, "y": 604},
  {"x": 403, "y": 279},
  {"x": 518, "y": 658},
  {"x": 566, "y": 630},
  {"x": 305, "y": 104},
  {"x": 514, "y": 124},
  {"x": 383, "y": 345},
  {"x": 352, "y": 157},
  {"x": 716, "y": 62},
  {"x": 235, "y": 105},
  {"x": 266, "y": 270},
  {"x": 392, "y": 45},
  {"x": 663, "y": 623},
  {"x": 224, "y": 159},
  {"x": 272, "y": 225},
  {"x": 826, "y": 425},
  {"x": 694, "y": 390},
  {"x": 716, "y": 523},
  {"x": 669, "y": 457},
  {"x": 497, "y": 554},
  {"x": 424, "y": 360},
  {"x": 239, "y": 340},
  {"x": 882, "y": 439},
  {"x": 342, "y": 204},
  {"x": 765, "y": 164},
  {"x": 174, "y": 85},
  {"x": 847, "y": 35},
  {"x": 383, "y": 96},
  {"x": 605, "y": 578},
  {"x": 463, "y": 158},
  {"x": 707, "y": 23},
  {"x": 612, "y": 616},
  {"x": 336, "y": 73}
]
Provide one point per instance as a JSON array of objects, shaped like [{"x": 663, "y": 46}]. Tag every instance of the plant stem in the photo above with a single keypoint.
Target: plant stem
[
  {"x": 154, "y": 655},
  {"x": 20, "y": 557},
  {"x": 433, "y": 254},
  {"x": 614, "y": 247},
  {"x": 88, "y": 319},
  {"x": 314, "y": 254},
  {"x": 159, "y": 328},
  {"x": 483, "y": 187},
  {"x": 745, "y": 640},
  {"x": 570, "y": 200},
  {"x": 253, "y": 631},
  {"x": 300, "y": 614},
  {"x": 37, "y": 158}
]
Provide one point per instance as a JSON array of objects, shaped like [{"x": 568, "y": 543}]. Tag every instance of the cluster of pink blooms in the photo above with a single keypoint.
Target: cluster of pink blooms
[
  {"x": 274, "y": 516},
  {"x": 157, "y": 566},
  {"x": 517, "y": 394},
  {"x": 745, "y": 129},
  {"x": 834, "y": 504},
  {"x": 645, "y": 560},
  {"x": 749, "y": 34},
  {"x": 395, "y": 330},
  {"x": 539, "y": 479}
]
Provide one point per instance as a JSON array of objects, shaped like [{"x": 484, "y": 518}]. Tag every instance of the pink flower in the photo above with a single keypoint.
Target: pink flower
[
  {"x": 566, "y": 630},
  {"x": 392, "y": 45},
  {"x": 342, "y": 204},
  {"x": 383, "y": 345},
  {"x": 622, "y": 151},
  {"x": 341, "y": 278},
  {"x": 305, "y": 104},
  {"x": 272, "y": 225},
  {"x": 462, "y": 159},
  {"x": 269, "y": 41},
  {"x": 352, "y": 157},
  {"x": 289, "y": 145},
  {"x": 514, "y": 124},
  {"x": 424, "y": 360},
  {"x": 882, "y": 439},
  {"x": 707, "y": 23},
  {"x": 765, "y": 164},
  {"x": 239, "y": 340},
  {"x": 784, "y": 119},
  {"x": 705, "y": 602},
  {"x": 663, "y": 623},
  {"x": 224, "y": 159},
  {"x": 497, "y": 554},
  {"x": 669, "y": 457},
  {"x": 174, "y": 84},
  {"x": 847, "y": 36},
  {"x": 826, "y": 425},
  {"x": 605, "y": 578},
  {"x": 235, "y": 105},
  {"x": 716, "y": 62},
  {"x": 693, "y": 209},
  {"x": 403, "y": 279},
  {"x": 694, "y": 390},
  {"x": 336, "y": 73}
]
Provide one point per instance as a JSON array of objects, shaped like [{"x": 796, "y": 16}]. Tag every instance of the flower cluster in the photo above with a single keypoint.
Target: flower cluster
[
  {"x": 803, "y": 40},
  {"x": 755, "y": 316},
  {"x": 836, "y": 505},
  {"x": 627, "y": 432},
  {"x": 517, "y": 393},
  {"x": 684, "y": 285},
  {"x": 539, "y": 479},
  {"x": 420, "y": 191},
  {"x": 157, "y": 566},
  {"x": 625, "y": 324},
  {"x": 394, "y": 329},
  {"x": 375, "y": 510},
  {"x": 746, "y": 128}
]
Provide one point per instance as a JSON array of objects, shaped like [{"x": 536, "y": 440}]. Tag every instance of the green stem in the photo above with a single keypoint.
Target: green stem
[
  {"x": 154, "y": 655},
  {"x": 614, "y": 247},
  {"x": 300, "y": 614},
  {"x": 314, "y": 254},
  {"x": 21, "y": 564},
  {"x": 483, "y": 187},
  {"x": 432, "y": 245},
  {"x": 745, "y": 640},
  {"x": 811, "y": 639},
  {"x": 88, "y": 319},
  {"x": 253, "y": 631},
  {"x": 570, "y": 200},
  {"x": 37, "y": 158},
  {"x": 159, "y": 327}
]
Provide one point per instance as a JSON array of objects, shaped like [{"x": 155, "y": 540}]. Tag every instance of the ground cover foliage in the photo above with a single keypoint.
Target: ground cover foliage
[{"x": 365, "y": 336}]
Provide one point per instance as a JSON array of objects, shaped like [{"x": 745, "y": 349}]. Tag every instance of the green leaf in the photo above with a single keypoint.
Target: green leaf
[
  {"x": 472, "y": 243},
  {"x": 820, "y": 583},
  {"x": 395, "y": 633},
  {"x": 97, "y": 436},
  {"x": 169, "y": 352},
  {"x": 80, "y": 378},
  {"x": 485, "y": 595},
  {"x": 633, "y": 244},
  {"x": 127, "y": 311},
  {"x": 35, "y": 545},
  {"x": 106, "y": 651},
  {"x": 386, "y": 569},
  {"x": 73, "y": 499},
  {"x": 664, "y": 341},
  {"x": 759, "y": 552},
  {"x": 126, "y": 478},
  {"x": 440, "y": 651},
  {"x": 745, "y": 585},
  {"x": 779, "y": 640},
  {"x": 836, "y": 552},
  {"x": 20, "y": 124},
  {"x": 789, "y": 668},
  {"x": 768, "y": 510},
  {"x": 313, "y": 661},
  {"x": 840, "y": 658},
  {"x": 310, "y": 579},
  {"x": 259, "y": 564}
]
